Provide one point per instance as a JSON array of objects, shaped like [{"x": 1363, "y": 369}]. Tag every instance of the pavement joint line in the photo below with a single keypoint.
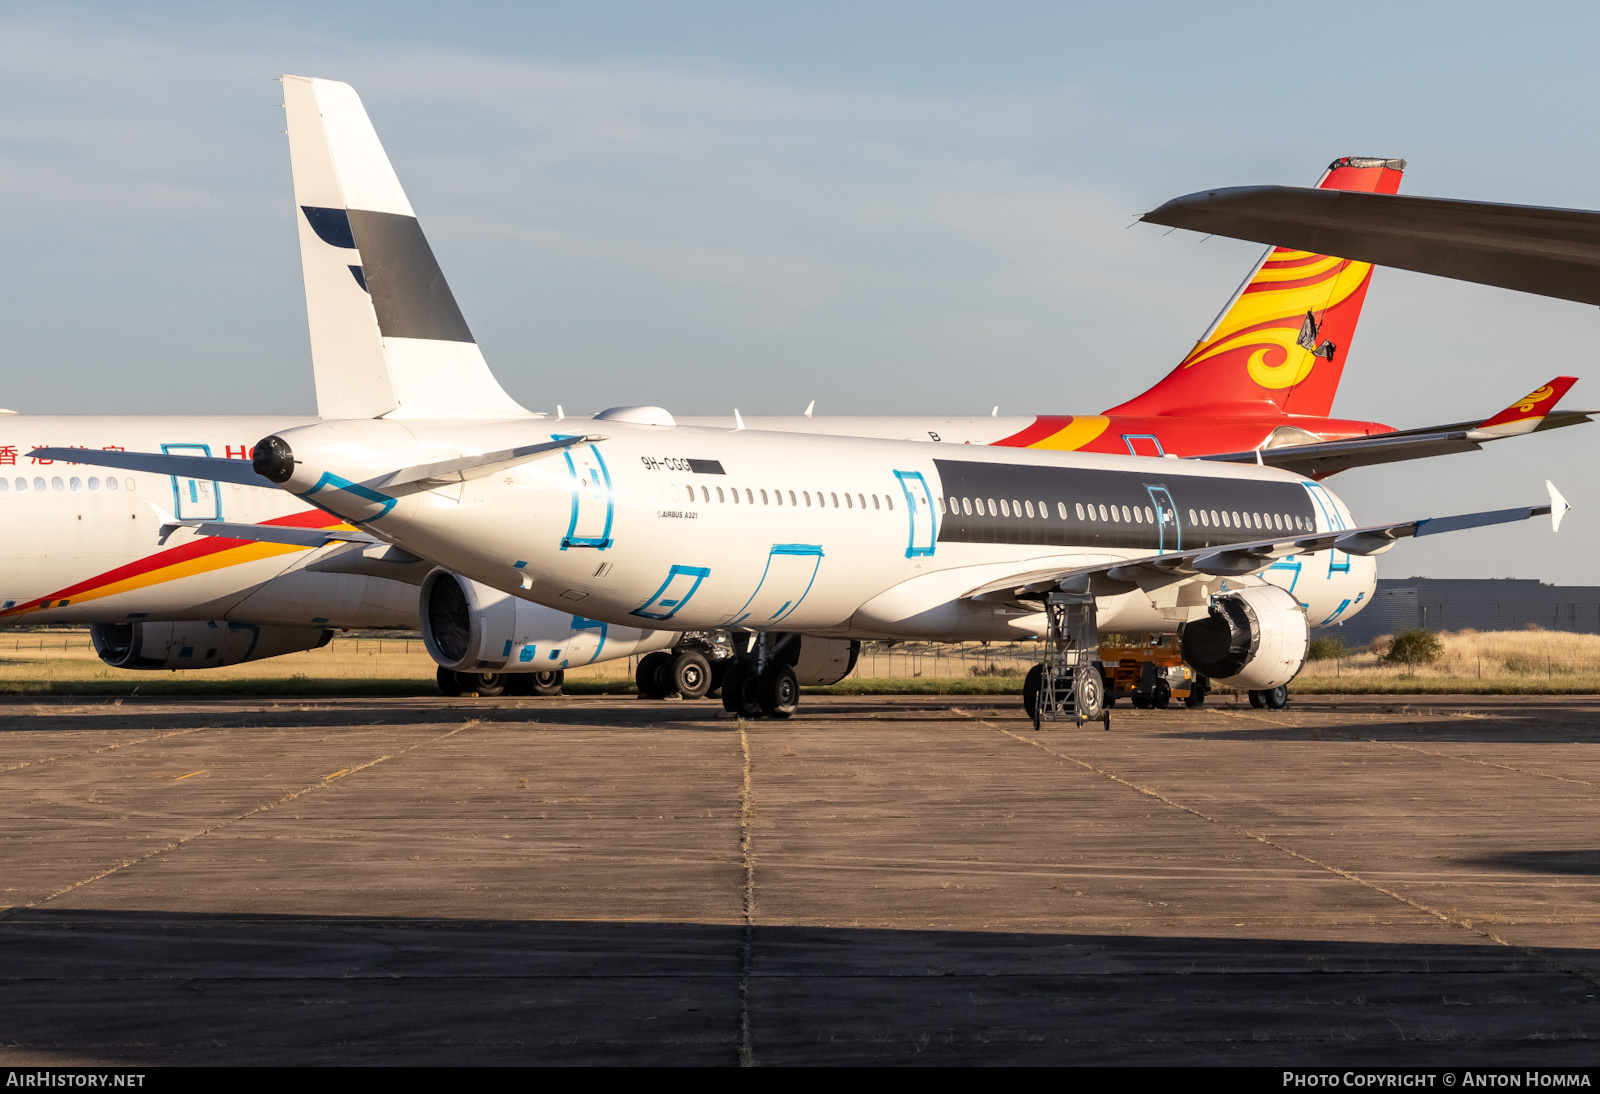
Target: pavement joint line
[
  {"x": 747, "y": 814},
  {"x": 320, "y": 784},
  {"x": 1485, "y": 763},
  {"x": 106, "y": 748},
  {"x": 1588, "y": 975}
]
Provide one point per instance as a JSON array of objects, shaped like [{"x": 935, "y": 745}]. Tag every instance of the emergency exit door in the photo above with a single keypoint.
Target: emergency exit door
[{"x": 194, "y": 499}]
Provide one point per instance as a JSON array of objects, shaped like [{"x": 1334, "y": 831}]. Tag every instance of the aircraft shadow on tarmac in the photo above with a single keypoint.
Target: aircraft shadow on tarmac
[
  {"x": 1420, "y": 724},
  {"x": 1581, "y": 863},
  {"x": 171, "y": 987},
  {"x": 621, "y": 712}
]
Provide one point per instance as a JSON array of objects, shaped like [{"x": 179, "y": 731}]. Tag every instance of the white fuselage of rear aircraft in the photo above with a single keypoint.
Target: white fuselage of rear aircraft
[{"x": 693, "y": 529}]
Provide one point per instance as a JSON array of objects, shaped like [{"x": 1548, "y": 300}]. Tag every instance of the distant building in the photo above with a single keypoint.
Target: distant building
[{"x": 1449, "y": 604}]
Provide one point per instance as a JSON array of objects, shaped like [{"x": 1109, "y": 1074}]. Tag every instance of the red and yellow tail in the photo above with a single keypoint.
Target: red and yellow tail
[{"x": 1279, "y": 345}]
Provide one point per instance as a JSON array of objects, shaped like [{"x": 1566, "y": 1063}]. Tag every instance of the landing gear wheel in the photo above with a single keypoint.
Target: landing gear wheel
[
  {"x": 779, "y": 692},
  {"x": 1030, "y": 693},
  {"x": 486, "y": 684},
  {"x": 1258, "y": 699},
  {"x": 1276, "y": 698},
  {"x": 649, "y": 675},
  {"x": 741, "y": 694},
  {"x": 448, "y": 684},
  {"x": 690, "y": 675},
  {"x": 1161, "y": 695},
  {"x": 1090, "y": 697},
  {"x": 1197, "y": 692},
  {"x": 544, "y": 683},
  {"x": 719, "y": 670}
]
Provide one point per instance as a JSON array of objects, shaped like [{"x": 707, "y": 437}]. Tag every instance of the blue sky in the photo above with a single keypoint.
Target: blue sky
[{"x": 884, "y": 207}]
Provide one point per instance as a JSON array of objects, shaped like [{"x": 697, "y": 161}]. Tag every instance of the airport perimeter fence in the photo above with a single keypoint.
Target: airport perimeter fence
[{"x": 878, "y": 660}]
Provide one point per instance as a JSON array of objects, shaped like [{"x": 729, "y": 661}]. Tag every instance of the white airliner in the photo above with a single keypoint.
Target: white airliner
[{"x": 650, "y": 527}]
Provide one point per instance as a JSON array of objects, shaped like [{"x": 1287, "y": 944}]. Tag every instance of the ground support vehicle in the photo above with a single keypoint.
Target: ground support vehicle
[{"x": 1150, "y": 672}]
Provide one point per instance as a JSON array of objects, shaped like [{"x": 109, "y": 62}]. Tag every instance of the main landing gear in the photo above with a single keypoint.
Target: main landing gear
[
  {"x": 1069, "y": 682},
  {"x": 757, "y": 684},
  {"x": 1271, "y": 699},
  {"x": 488, "y": 685}
]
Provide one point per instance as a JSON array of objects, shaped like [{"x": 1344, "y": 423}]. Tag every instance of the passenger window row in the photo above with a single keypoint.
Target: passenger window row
[
  {"x": 39, "y": 485},
  {"x": 1003, "y": 508},
  {"x": 795, "y": 499},
  {"x": 1266, "y": 522},
  {"x": 1126, "y": 514}
]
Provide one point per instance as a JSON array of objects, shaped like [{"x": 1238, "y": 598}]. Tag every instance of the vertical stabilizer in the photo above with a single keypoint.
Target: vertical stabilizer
[
  {"x": 387, "y": 338},
  {"x": 1279, "y": 345}
]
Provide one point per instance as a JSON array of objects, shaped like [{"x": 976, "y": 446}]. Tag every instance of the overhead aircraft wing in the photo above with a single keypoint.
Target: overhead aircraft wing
[
  {"x": 160, "y": 463},
  {"x": 1551, "y": 252},
  {"x": 1530, "y": 414},
  {"x": 1240, "y": 559}
]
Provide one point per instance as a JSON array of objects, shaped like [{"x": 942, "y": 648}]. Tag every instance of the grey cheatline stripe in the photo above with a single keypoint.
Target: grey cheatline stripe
[
  {"x": 1547, "y": 960},
  {"x": 408, "y": 289},
  {"x": 320, "y": 784}
]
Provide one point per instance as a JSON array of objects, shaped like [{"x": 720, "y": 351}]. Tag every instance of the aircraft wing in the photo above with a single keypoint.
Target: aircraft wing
[
  {"x": 1551, "y": 252},
  {"x": 1532, "y": 413},
  {"x": 1239, "y": 559}
]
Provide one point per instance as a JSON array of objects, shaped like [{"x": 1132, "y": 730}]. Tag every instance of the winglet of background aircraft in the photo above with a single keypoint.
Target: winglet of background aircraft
[
  {"x": 1550, "y": 252},
  {"x": 1278, "y": 346},
  {"x": 1528, "y": 413},
  {"x": 1532, "y": 413},
  {"x": 387, "y": 337}
]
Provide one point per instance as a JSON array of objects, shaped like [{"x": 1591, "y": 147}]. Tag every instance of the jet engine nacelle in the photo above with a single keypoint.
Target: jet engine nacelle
[
  {"x": 202, "y": 644},
  {"x": 821, "y": 661},
  {"x": 471, "y": 627},
  {"x": 1255, "y": 638}
]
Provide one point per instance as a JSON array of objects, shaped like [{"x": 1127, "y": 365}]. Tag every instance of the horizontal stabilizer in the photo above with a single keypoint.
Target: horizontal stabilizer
[
  {"x": 1530, "y": 248},
  {"x": 429, "y": 475},
  {"x": 277, "y": 533},
  {"x": 158, "y": 463},
  {"x": 1533, "y": 413}
]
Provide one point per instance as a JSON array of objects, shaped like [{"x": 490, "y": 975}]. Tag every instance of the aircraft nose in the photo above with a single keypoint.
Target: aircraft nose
[{"x": 274, "y": 459}]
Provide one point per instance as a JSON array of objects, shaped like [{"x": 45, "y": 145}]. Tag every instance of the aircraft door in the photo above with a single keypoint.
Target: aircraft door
[
  {"x": 919, "y": 511},
  {"x": 1338, "y": 561},
  {"x": 194, "y": 499},
  {"x": 592, "y": 506},
  {"x": 791, "y": 571},
  {"x": 1169, "y": 532}
]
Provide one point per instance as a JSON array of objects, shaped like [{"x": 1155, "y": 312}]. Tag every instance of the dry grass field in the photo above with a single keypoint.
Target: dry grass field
[
  {"x": 62, "y": 661},
  {"x": 1486, "y": 662}
]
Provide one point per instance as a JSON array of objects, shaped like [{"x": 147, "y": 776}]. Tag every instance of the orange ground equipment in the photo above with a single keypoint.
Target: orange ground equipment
[{"x": 1149, "y": 671}]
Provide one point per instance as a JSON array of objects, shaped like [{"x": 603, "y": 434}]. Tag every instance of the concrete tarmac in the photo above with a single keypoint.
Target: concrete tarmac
[{"x": 917, "y": 880}]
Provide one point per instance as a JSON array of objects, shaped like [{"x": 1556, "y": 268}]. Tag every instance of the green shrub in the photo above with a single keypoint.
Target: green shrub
[
  {"x": 1414, "y": 647},
  {"x": 1326, "y": 649}
]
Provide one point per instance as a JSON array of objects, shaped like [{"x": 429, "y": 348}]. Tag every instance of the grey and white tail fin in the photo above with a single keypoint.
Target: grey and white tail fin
[{"x": 387, "y": 338}]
